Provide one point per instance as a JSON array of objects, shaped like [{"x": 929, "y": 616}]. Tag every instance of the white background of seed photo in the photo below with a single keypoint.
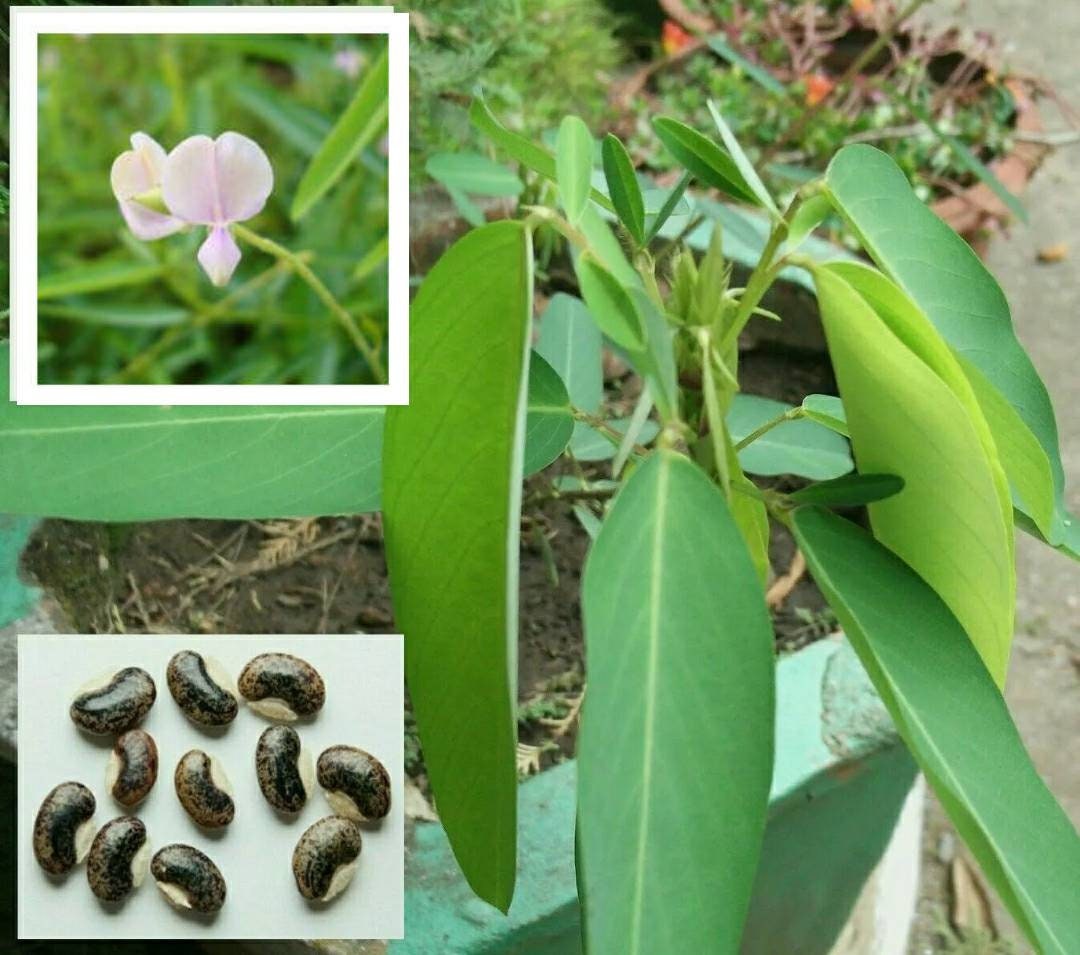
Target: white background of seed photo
[{"x": 364, "y": 707}]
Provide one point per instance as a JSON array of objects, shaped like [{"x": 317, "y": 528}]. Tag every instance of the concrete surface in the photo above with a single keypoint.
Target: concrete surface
[{"x": 1043, "y": 688}]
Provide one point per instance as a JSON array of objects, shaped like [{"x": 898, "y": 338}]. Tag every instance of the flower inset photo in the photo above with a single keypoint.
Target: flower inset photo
[{"x": 194, "y": 211}]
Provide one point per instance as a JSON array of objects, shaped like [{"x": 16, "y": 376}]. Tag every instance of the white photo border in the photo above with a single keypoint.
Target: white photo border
[{"x": 27, "y": 23}]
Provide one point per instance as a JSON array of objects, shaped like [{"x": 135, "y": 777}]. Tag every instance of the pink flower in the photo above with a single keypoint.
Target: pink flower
[
  {"x": 349, "y": 61},
  {"x": 215, "y": 182},
  {"x": 136, "y": 183}
]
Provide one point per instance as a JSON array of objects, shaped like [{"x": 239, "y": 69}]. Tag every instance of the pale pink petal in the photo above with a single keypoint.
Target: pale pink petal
[
  {"x": 189, "y": 182},
  {"x": 129, "y": 176},
  {"x": 151, "y": 152},
  {"x": 146, "y": 223},
  {"x": 219, "y": 255},
  {"x": 245, "y": 178}
]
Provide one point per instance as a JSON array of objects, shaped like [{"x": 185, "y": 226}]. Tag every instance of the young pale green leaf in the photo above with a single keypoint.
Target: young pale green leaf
[
  {"x": 742, "y": 162},
  {"x": 656, "y": 361},
  {"x": 672, "y": 202},
  {"x": 145, "y": 463},
  {"x": 672, "y": 790},
  {"x": 573, "y": 166},
  {"x": 852, "y": 490},
  {"x": 948, "y": 523},
  {"x": 954, "y": 721},
  {"x": 96, "y": 277},
  {"x": 827, "y": 410},
  {"x": 807, "y": 218},
  {"x": 701, "y": 157},
  {"x": 475, "y": 173},
  {"x": 452, "y": 473},
  {"x": 946, "y": 279},
  {"x": 623, "y": 187},
  {"x": 524, "y": 150},
  {"x": 364, "y": 118},
  {"x": 610, "y": 304},
  {"x": 549, "y": 419},
  {"x": 797, "y": 447},
  {"x": 604, "y": 244}
]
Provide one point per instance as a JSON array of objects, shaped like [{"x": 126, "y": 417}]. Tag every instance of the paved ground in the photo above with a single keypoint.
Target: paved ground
[{"x": 1044, "y": 682}]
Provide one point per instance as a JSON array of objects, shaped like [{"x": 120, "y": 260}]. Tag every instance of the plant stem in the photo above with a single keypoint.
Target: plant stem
[
  {"x": 615, "y": 437},
  {"x": 299, "y": 265},
  {"x": 760, "y": 280},
  {"x": 200, "y": 320},
  {"x": 790, "y": 415}
]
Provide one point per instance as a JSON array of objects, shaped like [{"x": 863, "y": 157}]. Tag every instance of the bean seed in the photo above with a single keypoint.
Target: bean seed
[
  {"x": 284, "y": 769},
  {"x": 64, "y": 828},
  {"x": 115, "y": 703},
  {"x": 204, "y": 790},
  {"x": 325, "y": 858},
  {"x": 133, "y": 766},
  {"x": 188, "y": 878},
  {"x": 201, "y": 688},
  {"x": 118, "y": 859},
  {"x": 282, "y": 687},
  {"x": 357, "y": 785}
]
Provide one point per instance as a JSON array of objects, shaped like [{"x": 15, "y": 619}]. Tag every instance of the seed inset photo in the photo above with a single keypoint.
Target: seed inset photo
[
  {"x": 220, "y": 217},
  {"x": 226, "y": 787}
]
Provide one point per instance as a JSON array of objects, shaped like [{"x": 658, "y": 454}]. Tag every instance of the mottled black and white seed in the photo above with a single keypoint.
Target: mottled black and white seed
[
  {"x": 116, "y": 865},
  {"x": 357, "y": 785},
  {"x": 188, "y": 878},
  {"x": 283, "y": 768},
  {"x": 133, "y": 767},
  {"x": 204, "y": 790},
  {"x": 324, "y": 859},
  {"x": 201, "y": 689},
  {"x": 280, "y": 686},
  {"x": 117, "y": 704},
  {"x": 63, "y": 828}
]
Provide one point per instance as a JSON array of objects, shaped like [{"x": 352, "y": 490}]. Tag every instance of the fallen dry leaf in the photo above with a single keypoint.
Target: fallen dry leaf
[
  {"x": 1058, "y": 252},
  {"x": 970, "y": 904}
]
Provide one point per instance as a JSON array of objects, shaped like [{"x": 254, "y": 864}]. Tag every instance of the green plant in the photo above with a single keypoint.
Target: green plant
[
  {"x": 950, "y": 429},
  {"x": 953, "y": 444}
]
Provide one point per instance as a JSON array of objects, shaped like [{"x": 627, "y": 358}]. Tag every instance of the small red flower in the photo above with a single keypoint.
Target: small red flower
[
  {"x": 673, "y": 37},
  {"x": 818, "y": 86}
]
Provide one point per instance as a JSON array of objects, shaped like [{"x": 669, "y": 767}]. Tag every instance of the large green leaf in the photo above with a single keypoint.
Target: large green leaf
[
  {"x": 146, "y": 463},
  {"x": 452, "y": 469},
  {"x": 675, "y": 755},
  {"x": 364, "y": 118},
  {"x": 955, "y": 723},
  {"x": 949, "y": 522},
  {"x": 549, "y": 419},
  {"x": 573, "y": 166},
  {"x": 798, "y": 447},
  {"x": 944, "y": 276}
]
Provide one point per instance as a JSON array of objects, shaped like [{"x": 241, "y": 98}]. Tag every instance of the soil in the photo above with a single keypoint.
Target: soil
[{"x": 328, "y": 575}]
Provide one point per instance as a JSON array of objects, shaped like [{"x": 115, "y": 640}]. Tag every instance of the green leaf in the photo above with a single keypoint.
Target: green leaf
[
  {"x": 852, "y": 490},
  {"x": 827, "y": 410},
  {"x": 452, "y": 470},
  {"x": 655, "y": 362},
  {"x": 623, "y": 186},
  {"x": 968, "y": 159},
  {"x": 955, "y": 723},
  {"x": 298, "y": 125},
  {"x": 549, "y": 419},
  {"x": 524, "y": 150},
  {"x": 948, "y": 523},
  {"x": 364, "y": 118},
  {"x": 672, "y": 788},
  {"x": 145, "y": 463},
  {"x": 96, "y": 277},
  {"x": 472, "y": 172},
  {"x": 719, "y": 45},
  {"x": 116, "y": 314},
  {"x": 742, "y": 162},
  {"x": 797, "y": 447},
  {"x": 674, "y": 200},
  {"x": 946, "y": 279},
  {"x": 610, "y": 304},
  {"x": 573, "y": 166},
  {"x": 807, "y": 218},
  {"x": 700, "y": 156}
]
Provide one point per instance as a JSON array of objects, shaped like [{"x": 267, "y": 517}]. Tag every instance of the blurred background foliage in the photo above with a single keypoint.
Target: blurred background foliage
[{"x": 108, "y": 302}]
